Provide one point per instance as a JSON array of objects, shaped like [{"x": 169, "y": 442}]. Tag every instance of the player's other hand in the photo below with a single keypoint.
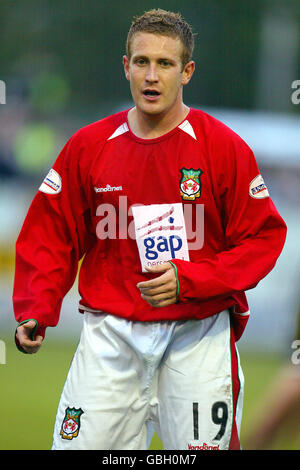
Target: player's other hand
[
  {"x": 24, "y": 336},
  {"x": 162, "y": 290}
]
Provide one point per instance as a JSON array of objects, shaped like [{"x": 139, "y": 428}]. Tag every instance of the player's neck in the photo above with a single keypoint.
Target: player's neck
[{"x": 147, "y": 126}]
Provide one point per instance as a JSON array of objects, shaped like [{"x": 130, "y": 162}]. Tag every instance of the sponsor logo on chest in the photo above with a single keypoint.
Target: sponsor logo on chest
[
  {"x": 160, "y": 233},
  {"x": 107, "y": 188}
]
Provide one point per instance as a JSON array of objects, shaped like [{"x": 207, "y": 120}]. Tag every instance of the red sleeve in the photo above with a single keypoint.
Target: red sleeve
[
  {"x": 254, "y": 231},
  {"x": 52, "y": 240}
]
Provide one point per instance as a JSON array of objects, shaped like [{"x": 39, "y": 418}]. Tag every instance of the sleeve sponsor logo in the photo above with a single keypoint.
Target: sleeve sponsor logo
[
  {"x": 258, "y": 188},
  {"x": 52, "y": 183}
]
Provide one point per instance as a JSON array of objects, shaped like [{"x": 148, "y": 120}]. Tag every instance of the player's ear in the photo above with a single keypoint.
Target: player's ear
[
  {"x": 126, "y": 66},
  {"x": 188, "y": 71}
]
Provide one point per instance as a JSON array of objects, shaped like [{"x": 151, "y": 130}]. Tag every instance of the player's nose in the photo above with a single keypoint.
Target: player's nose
[{"x": 151, "y": 75}]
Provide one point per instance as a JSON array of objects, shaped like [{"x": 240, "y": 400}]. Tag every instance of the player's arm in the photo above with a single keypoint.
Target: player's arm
[
  {"x": 253, "y": 229},
  {"x": 51, "y": 242}
]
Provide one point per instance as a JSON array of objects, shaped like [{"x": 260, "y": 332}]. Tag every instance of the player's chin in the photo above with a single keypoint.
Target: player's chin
[
  {"x": 151, "y": 110},
  {"x": 151, "y": 107}
]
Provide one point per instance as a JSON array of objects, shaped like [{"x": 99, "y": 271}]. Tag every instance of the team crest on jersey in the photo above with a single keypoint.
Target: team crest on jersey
[
  {"x": 190, "y": 184},
  {"x": 71, "y": 423}
]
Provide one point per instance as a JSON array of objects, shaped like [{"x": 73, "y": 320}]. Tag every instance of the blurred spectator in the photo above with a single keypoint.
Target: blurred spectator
[
  {"x": 34, "y": 148},
  {"x": 279, "y": 409},
  {"x": 12, "y": 119}
]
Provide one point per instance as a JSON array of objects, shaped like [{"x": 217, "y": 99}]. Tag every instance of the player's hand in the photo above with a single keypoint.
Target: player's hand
[
  {"x": 162, "y": 290},
  {"x": 24, "y": 336}
]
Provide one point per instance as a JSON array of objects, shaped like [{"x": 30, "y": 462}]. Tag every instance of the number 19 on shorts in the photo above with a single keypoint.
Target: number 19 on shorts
[{"x": 219, "y": 417}]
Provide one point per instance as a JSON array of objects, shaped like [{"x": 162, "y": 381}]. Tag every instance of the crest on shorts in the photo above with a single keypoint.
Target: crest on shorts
[
  {"x": 190, "y": 184},
  {"x": 71, "y": 423}
]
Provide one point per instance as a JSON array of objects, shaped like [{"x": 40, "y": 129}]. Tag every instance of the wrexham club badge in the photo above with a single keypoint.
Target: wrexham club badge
[
  {"x": 71, "y": 423},
  {"x": 190, "y": 184}
]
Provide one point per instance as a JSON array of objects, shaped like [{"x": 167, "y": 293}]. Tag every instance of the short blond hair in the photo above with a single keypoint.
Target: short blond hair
[{"x": 164, "y": 23}]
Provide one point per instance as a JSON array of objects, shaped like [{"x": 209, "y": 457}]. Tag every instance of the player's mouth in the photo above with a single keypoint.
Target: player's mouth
[{"x": 151, "y": 94}]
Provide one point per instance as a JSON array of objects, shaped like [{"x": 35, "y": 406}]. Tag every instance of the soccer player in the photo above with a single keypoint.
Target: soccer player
[{"x": 174, "y": 222}]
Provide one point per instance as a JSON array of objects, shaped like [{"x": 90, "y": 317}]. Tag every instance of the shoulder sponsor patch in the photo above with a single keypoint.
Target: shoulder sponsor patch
[
  {"x": 52, "y": 183},
  {"x": 258, "y": 189}
]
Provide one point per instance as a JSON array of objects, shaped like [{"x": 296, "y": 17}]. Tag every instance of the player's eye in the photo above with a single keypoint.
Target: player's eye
[
  {"x": 165, "y": 63},
  {"x": 140, "y": 61}
]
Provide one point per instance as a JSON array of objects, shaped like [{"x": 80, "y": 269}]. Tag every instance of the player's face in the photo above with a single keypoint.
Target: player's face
[{"x": 155, "y": 73}]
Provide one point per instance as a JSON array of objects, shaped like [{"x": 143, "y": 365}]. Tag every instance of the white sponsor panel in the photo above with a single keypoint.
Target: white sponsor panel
[{"x": 160, "y": 233}]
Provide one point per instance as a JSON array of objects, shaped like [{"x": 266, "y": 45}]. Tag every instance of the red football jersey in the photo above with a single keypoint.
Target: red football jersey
[{"x": 84, "y": 209}]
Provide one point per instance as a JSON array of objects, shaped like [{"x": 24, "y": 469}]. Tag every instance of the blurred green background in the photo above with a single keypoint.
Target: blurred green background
[{"x": 61, "y": 62}]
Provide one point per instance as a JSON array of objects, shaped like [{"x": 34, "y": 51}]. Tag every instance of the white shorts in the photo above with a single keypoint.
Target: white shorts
[{"x": 128, "y": 379}]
